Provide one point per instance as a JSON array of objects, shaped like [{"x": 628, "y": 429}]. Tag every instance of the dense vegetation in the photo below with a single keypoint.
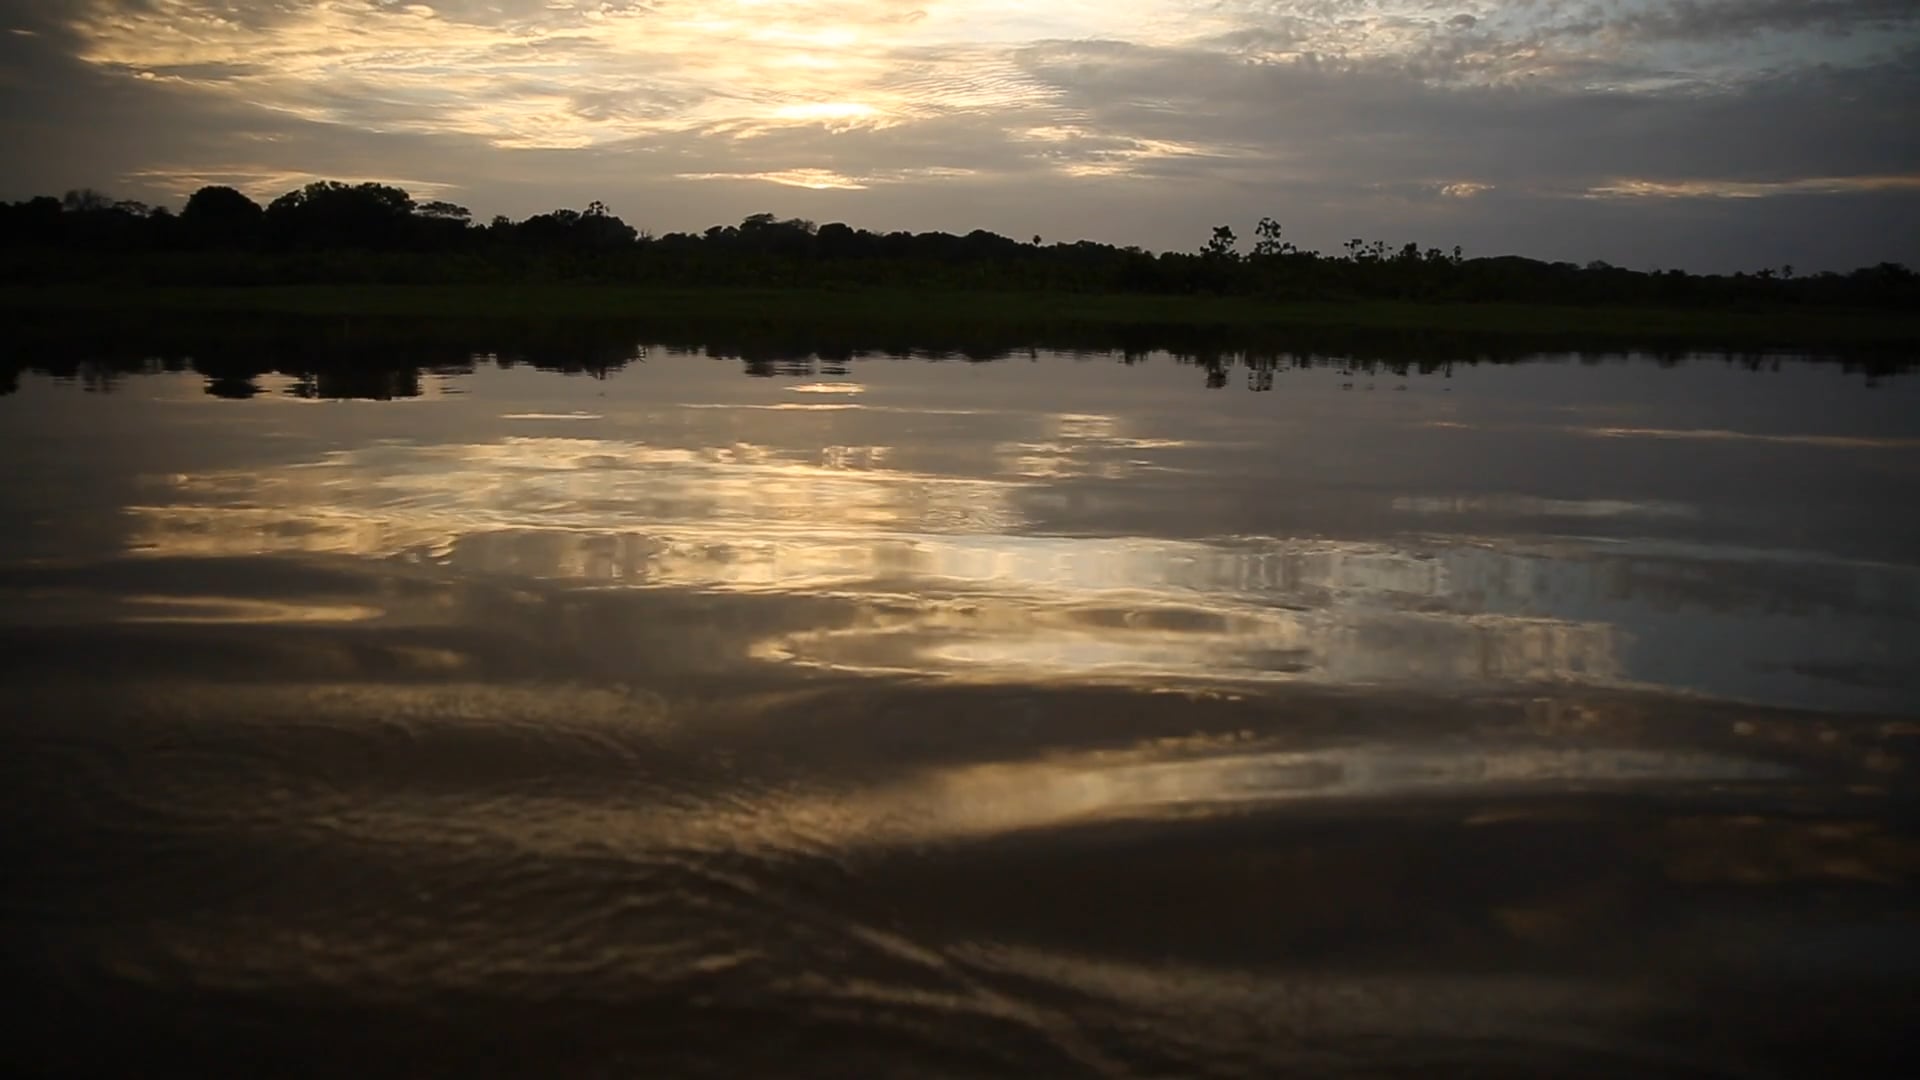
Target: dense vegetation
[{"x": 337, "y": 233}]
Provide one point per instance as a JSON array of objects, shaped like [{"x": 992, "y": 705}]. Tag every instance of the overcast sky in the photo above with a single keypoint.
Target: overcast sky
[{"x": 1710, "y": 134}]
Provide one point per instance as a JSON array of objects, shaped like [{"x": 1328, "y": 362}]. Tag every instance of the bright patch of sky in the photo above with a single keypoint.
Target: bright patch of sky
[{"x": 580, "y": 74}]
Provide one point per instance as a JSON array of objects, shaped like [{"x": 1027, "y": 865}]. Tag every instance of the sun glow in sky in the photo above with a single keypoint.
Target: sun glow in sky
[{"x": 1634, "y": 130}]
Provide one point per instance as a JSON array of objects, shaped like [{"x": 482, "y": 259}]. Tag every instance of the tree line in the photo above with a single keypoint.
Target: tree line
[{"x": 335, "y": 232}]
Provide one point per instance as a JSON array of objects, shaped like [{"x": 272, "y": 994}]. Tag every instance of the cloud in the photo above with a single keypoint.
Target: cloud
[
  {"x": 556, "y": 75},
  {"x": 265, "y": 184},
  {"x": 1129, "y": 120},
  {"x": 1736, "y": 189},
  {"x": 1720, "y": 19},
  {"x": 812, "y": 179},
  {"x": 1377, "y": 119}
]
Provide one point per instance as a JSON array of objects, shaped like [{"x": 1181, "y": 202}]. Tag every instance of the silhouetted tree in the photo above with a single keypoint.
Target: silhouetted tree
[
  {"x": 444, "y": 211},
  {"x": 334, "y": 231},
  {"x": 85, "y": 200},
  {"x": 1220, "y": 246},
  {"x": 217, "y": 216},
  {"x": 1269, "y": 243},
  {"x": 328, "y": 213},
  {"x": 33, "y": 223},
  {"x": 837, "y": 240},
  {"x": 594, "y": 228}
]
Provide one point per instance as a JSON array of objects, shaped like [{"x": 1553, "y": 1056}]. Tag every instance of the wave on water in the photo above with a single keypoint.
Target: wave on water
[{"x": 443, "y": 838}]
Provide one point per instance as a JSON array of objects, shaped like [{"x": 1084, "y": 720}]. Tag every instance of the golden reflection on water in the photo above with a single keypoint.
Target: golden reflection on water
[
  {"x": 1075, "y": 447},
  {"x": 1834, "y": 442},
  {"x": 1159, "y": 778},
  {"x": 944, "y": 573},
  {"x": 226, "y": 609},
  {"x": 1135, "y": 634}
]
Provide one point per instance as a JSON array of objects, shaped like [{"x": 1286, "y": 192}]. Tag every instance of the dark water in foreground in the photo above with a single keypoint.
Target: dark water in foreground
[{"x": 1045, "y": 717}]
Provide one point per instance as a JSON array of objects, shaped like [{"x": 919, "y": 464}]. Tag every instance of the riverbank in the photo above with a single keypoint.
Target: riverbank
[{"x": 998, "y": 314}]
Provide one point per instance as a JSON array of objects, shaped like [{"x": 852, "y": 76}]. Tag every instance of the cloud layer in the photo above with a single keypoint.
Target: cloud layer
[{"x": 1697, "y": 133}]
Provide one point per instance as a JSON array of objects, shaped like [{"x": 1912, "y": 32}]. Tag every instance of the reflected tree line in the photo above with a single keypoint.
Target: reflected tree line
[
  {"x": 324, "y": 361},
  {"x": 334, "y": 232}
]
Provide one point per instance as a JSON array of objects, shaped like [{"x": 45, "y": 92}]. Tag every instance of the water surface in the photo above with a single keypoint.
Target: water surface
[{"x": 1046, "y": 716}]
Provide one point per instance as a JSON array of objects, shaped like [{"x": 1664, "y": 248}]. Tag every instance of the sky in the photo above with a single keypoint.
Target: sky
[{"x": 1703, "y": 134}]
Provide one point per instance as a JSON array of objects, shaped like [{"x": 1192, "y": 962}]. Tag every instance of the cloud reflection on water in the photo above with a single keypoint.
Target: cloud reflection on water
[{"x": 946, "y": 572}]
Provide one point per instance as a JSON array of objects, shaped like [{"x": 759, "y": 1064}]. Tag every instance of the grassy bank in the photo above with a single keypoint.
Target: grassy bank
[{"x": 1042, "y": 317}]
